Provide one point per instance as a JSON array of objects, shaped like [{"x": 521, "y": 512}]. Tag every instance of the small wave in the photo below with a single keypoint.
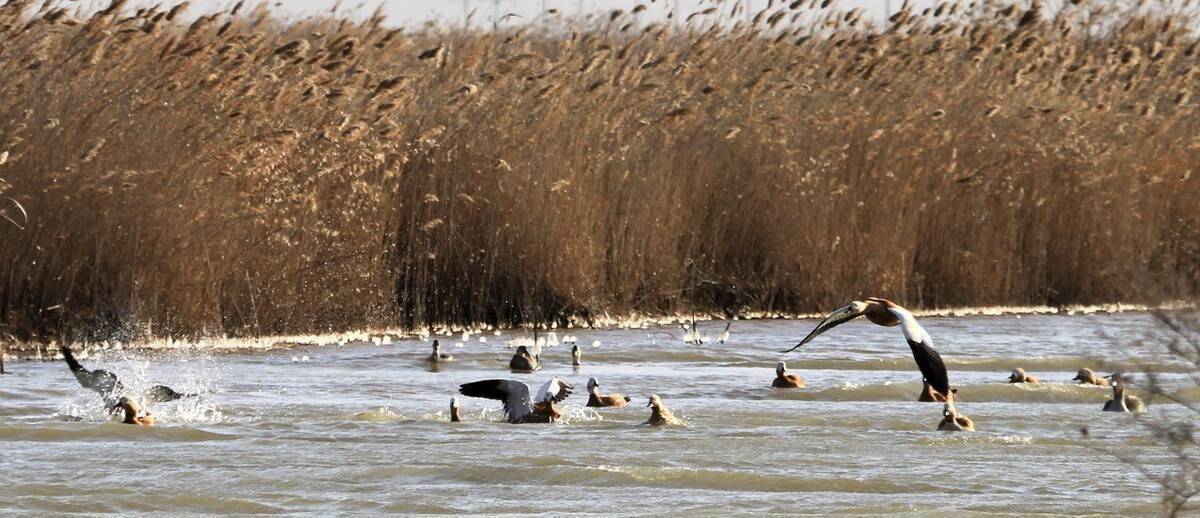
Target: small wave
[
  {"x": 379, "y": 415},
  {"x": 725, "y": 480},
  {"x": 109, "y": 431},
  {"x": 998, "y": 392},
  {"x": 1000, "y": 440}
]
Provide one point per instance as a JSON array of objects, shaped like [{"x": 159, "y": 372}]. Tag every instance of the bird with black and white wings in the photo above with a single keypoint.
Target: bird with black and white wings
[
  {"x": 519, "y": 407},
  {"x": 886, "y": 313}
]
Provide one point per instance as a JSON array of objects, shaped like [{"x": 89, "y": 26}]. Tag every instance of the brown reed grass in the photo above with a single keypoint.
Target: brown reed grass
[{"x": 239, "y": 174}]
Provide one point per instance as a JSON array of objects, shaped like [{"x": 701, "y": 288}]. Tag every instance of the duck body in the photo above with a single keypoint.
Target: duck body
[
  {"x": 523, "y": 361},
  {"x": 1087, "y": 377},
  {"x": 455, "y": 415},
  {"x": 659, "y": 415},
  {"x": 952, "y": 421},
  {"x": 956, "y": 424},
  {"x": 1020, "y": 376},
  {"x": 1123, "y": 401},
  {"x": 783, "y": 380},
  {"x": 437, "y": 356},
  {"x": 598, "y": 400},
  {"x": 133, "y": 413}
]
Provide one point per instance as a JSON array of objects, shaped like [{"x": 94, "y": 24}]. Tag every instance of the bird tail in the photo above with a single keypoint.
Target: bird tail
[
  {"x": 627, "y": 399},
  {"x": 71, "y": 361}
]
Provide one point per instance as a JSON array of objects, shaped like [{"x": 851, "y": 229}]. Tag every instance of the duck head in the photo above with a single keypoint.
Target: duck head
[
  {"x": 1018, "y": 376},
  {"x": 780, "y": 368},
  {"x": 592, "y": 385}
]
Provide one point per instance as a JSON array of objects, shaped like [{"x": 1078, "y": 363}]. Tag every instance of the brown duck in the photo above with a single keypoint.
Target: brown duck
[
  {"x": 659, "y": 415},
  {"x": 1087, "y": 377},
  {"x": 952, "y": 421},
  {"x": 132, "y": 413},
  {"x": 785, "y": 380},
  {"x": 595, "y": 399},
  {"x": 1020, "y": 376}
]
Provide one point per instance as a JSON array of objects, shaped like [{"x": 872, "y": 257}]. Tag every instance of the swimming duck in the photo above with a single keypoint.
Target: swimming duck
[
  {"x": 1087, "y": 377},
  {"x": 952, "y": 421},
  {"x": 455, "y": 417},
  {"x": 519, "y": 407},
  {"x": 522, "y": 361},
  {"x": 785, "y": 380},
  {"x": 1123, "y": 401},
  {"x": 576, "y": 356},
  {"x": 597, "y": 400},
  {"x": 884, "y": 312},
  {"x": 437, "y": 356},
  {"x": 659, "y": 415},
  {"x": 929, "y": 395},
  {"x": 1019, "y": 376},
  {"x": 132, "y": 411},
  {"x": 110, "y": 388}
]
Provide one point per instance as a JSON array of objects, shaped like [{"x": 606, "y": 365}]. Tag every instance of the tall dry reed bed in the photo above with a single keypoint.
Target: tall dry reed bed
[{"x": 235, "y": 173}]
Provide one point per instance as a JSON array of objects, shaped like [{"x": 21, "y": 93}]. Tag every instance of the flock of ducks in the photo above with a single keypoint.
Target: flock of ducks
[{"x": 522, "y": 405}]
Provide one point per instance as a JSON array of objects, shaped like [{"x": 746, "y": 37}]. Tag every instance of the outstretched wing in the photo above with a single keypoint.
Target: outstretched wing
[
  {"x": 514, "y": 394},
  {"x": 933, "y": 369},
  {"x": 554, "y": 390},
  {"x": 164, "y": 394},
  {"x": 836, "y": 318},
  {"x": 103, "y": 382}
]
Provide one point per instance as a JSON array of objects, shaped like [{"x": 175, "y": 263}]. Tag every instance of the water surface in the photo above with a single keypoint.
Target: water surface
[{"x": 363, "y": 428}]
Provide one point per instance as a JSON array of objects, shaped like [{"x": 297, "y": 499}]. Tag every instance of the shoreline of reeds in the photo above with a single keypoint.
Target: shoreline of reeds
[{"x": 239, "y": 175}]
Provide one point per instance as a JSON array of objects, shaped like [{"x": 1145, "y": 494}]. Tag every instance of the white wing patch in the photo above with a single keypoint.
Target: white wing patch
[
  {"x": 912, "y": 330},
  {"x": 548, "y": 390}
]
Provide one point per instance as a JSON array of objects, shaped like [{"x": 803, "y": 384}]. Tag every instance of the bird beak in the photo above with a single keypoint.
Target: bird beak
[{"x": 836, "y": 318}]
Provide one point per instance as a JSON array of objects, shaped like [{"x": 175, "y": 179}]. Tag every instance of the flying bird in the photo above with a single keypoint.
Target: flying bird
[
  {"x": 110, "y": 387},
  {"x": 519, "y": 407},
  {"x": 884, "y": 312}
]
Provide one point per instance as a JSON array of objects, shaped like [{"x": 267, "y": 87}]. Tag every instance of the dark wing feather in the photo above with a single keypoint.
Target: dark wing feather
[
  {"x": 487, "y": 389},
  {"x": 164, "y": 394},
  {"x": 71, "y": 361},
  {"x": 564, "y": 391},
  {"x": 512, "y": 393},
  {"x": 838, "y": 317},
  {"x": 99, "y": 380},
  {"x": 933, "y": 369}
]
